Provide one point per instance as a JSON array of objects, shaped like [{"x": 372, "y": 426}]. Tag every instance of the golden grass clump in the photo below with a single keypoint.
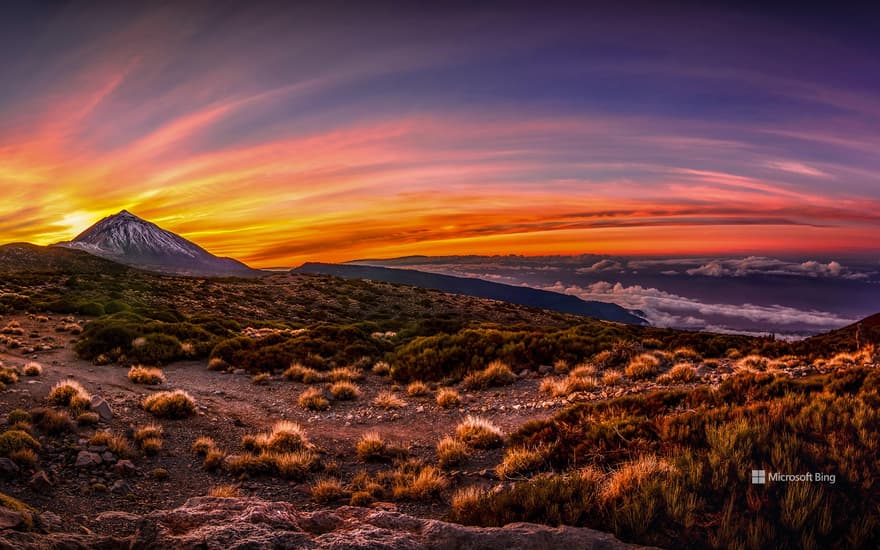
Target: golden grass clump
[
  {"x": 371, "y": 446},
  {"x": 448, "y": 398},
  {"x": 294, "y": 464},
  {"x": 388, "y": 401},
  {"x": 519, "y": 462},
  {"x": 26, "y": 458},
  {"x": 754, "y": 363},
  {"x": 261, "y": 379},
  {"x": 170, "y": 404},
  {"x": 33, "y": 369},
  {"x": 224, "y": 491},
  {"x": 214, "y": 459},
  {"x": 70, "y": 393},
  {"x": 496, "y": 374},
  {"x": 427, "y": 484},
  {"x": 285, "y": 436},
  {"x": 344, "y": 390},
  {"x": 306, "y": 375},
  {"x": 417, "y": 388},
  {"x": 313, "y": 399},
  {"x": 643, "y": 366},
  {"x": 584, "y": 370},
  {"x": 202, "y": 445},
  {"x": 146, "y": 375},
  {"x": 327, "y": 490},
  {"x": 561, "y": 366},
  {"x": 149, "y": 438},
  {"x": 451, "y": 452},
  {"x": 115, "y": 443},
  {"x": 18, "y": 415},
  {"x": 215, "y": 363},
  {"x": 681, "y": 373},
  {"x": 612, "y": 378},
  {"x": 466, "y": 499},
  {"x": 686, "y": 354},
  {"x": 630, "y": 476},
  {"x": 479, "y": 433},
  {"x": 347, "y": 374},
  {"x": 381, "y": 368},
  {"x": 51, "y": 421}
]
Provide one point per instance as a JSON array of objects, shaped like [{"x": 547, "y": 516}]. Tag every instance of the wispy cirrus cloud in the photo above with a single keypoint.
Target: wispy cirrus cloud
[{"x": 282, "y": 135}]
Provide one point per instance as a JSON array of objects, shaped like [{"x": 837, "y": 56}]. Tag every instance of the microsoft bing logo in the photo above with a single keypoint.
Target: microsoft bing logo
[{"x": 759, "y": 477}]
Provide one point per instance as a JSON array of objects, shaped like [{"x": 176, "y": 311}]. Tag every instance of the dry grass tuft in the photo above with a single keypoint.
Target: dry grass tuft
[
  {"x": 448, "y": 398},
  {"x": 754, "y": 363},
  {"x": 51, "y": 421},
  {"x": 327, "y": 490},
  {"x": 313, "y": 399},
  {"x": 451, "y": 452},
  {"x": 70, "y": 393},
  {"x": 261, "y": 379},
  {"x": 418, "y": 388},
  {"x": 33, "y": 369},
  {"x": 344, "y": 391},
  {"x": 306, "y": 375},
  {"x": 388, "y": 401},
  {"x": 681, "y": 373},
  {"x": 371, "y": 446},
  {"x": 170, "y": 404},
  {"x": 224, "y": 491},
  {"x": 382, "y": 369},
  {"x": 612, "y": 377},
  {"x": 479, "y": 433},
  {"x": 347, "y": 374},
  {"x": 217, "y": 364},
  {"x": 203, "y": 445},
  {"x": 146, "y": 375},
  {"x": 643, "y": 366},
  {"x": 466, "y": 499},
  {"x": 496, "y": 374},
  {"x": 519, "y": 462},
  {"x": 285, "y": 436},
  {"x": 427, "y": 484},
  {"x": 115, "y": 443}
]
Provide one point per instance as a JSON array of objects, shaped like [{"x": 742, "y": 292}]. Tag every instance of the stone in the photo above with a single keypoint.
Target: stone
[
  {"x": 545, "y": 369},
  {"x": 125, "y": 468},
  {"x": 87, "y": 459},
  {"x": 120, "y": 487},
  {"x": 10, "y": 519},
  {"x": 100, "y": 406},
  {"x": 107, "y": 456},
  {"x": 40, "y": 483},
  {"x": 8, "y": 468}
]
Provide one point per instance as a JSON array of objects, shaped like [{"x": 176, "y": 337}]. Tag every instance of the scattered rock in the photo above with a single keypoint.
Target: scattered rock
[
  {"x": 87, "y": 459},
  {"x": 125, "y": 468},
  {"x": 40, "y": 483},
  {"x": 8, "y": 468},
  {"x": 100, "y": 406},
  {"x": 544, "y": 369},
  {"x": 10, "y": 519},
  {"x": 120, "y": 487}
]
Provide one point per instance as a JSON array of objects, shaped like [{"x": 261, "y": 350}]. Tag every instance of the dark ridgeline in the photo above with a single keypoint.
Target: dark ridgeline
[{"x": 479, "y": 288}]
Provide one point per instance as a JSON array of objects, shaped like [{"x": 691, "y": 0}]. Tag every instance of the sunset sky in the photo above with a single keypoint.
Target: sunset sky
[{"x": 278, "y": 135}]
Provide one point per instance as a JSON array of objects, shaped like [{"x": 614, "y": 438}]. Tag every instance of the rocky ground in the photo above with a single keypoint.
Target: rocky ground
[{"x": 154, "y": 500}]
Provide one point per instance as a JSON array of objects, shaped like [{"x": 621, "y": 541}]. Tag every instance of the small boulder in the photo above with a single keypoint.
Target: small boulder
[
  {"x": 87, "y": 459},
  {"x": 8, "y": 468},
  {"x": 100, "y": 406},
  {"x": 120, "y": 487},
  {"x": 10, "y": 519},
  {"x": 40, "y": 483},
  {"x": 125, "y": 468}
]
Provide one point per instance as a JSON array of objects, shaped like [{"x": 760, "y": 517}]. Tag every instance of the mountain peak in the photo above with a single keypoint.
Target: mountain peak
[{"x": 130, "y": 240}]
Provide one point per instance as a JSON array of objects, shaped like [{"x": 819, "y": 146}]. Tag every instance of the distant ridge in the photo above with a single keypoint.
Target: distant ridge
[
  {"x": 130, "y": 240},
  {"x": 479, "y": 288}
]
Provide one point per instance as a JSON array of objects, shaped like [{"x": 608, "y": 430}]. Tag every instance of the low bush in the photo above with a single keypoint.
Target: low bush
[
  {"x": 146, "y": 375},
  {"x": 313, "y": 399},
  {"x": 496, "y": 374},
  {"x": 448, "y": 398},
  {"x": 479, "y": 433},
  {"x": 175, "y": 404},
  {"x": 388, "y": 401}
]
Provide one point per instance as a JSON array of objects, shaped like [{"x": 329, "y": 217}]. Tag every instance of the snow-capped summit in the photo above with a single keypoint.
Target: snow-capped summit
[{"x": 130, "y": 240}]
